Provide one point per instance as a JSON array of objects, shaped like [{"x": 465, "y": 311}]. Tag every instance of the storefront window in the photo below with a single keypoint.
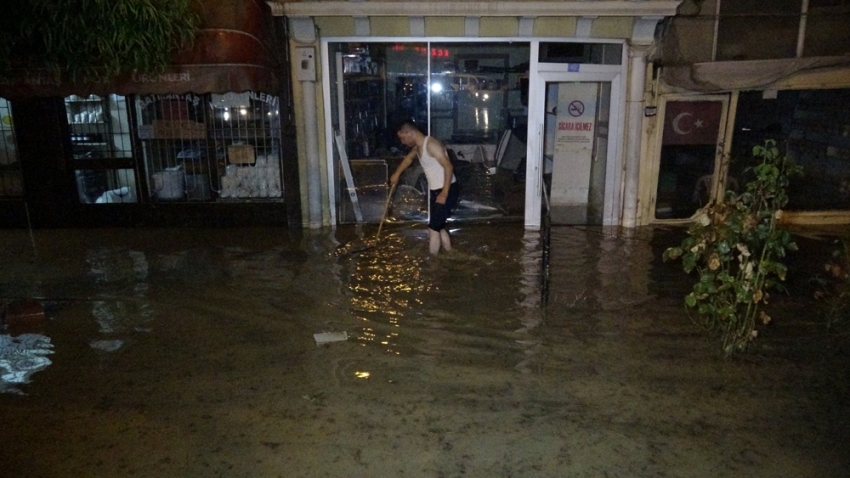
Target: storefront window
[
  {"x": 479, "y": 110},
  {"x": 472, "y": 101},
  {"x": 688, "y": 157},
  {"x": 374, "y": 87},
  {"x": 203, "y": 147},
  {"x": 11, "y": 184},
  {"x": 101, "y": 149},
  {"x": 812, "y": 128},
  {"x": 578, "y": 53},
  {"x": 826, "y": 28},
  {"x": 777, "y": 21}
]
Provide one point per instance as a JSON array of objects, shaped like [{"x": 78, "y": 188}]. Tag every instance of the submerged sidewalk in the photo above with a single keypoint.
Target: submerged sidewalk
[{"x": 191, "y": 353}]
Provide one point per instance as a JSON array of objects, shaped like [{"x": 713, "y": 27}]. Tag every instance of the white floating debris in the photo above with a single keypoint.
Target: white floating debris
[
  {"x": 22, "y": 356},
  {"x": 325, "y": 337},
  {"x": 477, "y": 206}
]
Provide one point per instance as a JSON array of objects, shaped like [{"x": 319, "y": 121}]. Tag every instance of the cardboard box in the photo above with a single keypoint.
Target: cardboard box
[{"x": 241, "y": 154}]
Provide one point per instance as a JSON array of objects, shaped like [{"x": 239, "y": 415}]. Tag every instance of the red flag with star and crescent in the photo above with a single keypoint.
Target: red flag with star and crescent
[{"x": 692, "y": 122}]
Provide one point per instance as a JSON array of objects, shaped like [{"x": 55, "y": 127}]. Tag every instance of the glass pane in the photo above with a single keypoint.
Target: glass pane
[
  {"x": 246, "y": 132},
  {"x": 479, "y": 111},
  {"x": 195, "y": 146},
  {"x": 576, "y": 150},
  {"x": 173, "y": 134},
  {"x": 774, "y": 37},
  {"x": 11, "y": 182},
  {"x": 732, "y": 7},
  {"x": 826, "y": 28},
  {"x": 476, "y": 98},
  {"x": 380, "y": 85},
  {"x": 100, "y": 134},
  {"x": 688, "y": 156},
  {"x": 758, "y": 30},
  {"x": 100, "y": 127},
  {"x": 812, "y": 127},
  {"x": 594, "y": 53}
]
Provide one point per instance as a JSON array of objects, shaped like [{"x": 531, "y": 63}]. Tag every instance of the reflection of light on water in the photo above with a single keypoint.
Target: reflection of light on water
[
  {"x": 361, "y": 374},
  {"x": 384, "y": 284},
  {"x": 367, "y": 335},
  {"x": 119, "y": 265},
  {"x": 21, "y": 357}
]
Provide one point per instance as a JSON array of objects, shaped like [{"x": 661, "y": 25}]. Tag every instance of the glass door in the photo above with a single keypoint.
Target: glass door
[
  {"x": 689, "y": 170},
  {"x": 576, "y": 149}
]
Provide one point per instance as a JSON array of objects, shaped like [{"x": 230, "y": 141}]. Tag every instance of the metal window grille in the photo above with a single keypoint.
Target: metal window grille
[
  {"x": 246, "y": 130},
  {"x": 197, "y": 148},
  {"x": 102, "y": 148},
  {"x": 11, "y": 182}
]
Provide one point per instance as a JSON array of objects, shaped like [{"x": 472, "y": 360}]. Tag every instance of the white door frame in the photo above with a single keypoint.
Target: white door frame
[
  {"x": 540, "y": 74},
  {"x": 721, "y": 166}
]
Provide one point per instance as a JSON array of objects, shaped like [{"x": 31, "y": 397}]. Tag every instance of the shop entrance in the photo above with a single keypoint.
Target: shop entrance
[
  {"x": 689, "y": 171},
  {"x": 575, "y": 145},
  {"x": 578, "y": 121}
]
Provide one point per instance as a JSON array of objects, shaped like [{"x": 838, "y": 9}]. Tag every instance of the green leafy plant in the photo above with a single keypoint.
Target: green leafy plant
[
  {"x": 736, "y": 249},
  {"x": 94, "y": 40}
]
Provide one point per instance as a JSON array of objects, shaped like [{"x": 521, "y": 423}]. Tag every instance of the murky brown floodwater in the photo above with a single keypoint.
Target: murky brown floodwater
[{"x": 190, "y": 353}]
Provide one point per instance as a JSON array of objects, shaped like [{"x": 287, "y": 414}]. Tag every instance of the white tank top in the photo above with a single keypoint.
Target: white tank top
[{"x": 433, "y": 170}]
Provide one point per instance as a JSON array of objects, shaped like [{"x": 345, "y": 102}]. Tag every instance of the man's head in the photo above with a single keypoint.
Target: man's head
[{"x": 407, "y": 133}]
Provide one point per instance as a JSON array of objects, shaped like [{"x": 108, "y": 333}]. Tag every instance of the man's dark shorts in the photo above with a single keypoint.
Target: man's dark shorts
[{"x": 441, "y": 212}]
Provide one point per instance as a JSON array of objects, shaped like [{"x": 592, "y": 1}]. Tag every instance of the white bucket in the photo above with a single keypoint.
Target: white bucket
[{"x": 169, "y": 184}]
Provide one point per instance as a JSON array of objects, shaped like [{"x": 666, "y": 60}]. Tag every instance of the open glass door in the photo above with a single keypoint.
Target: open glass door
[
  {"x": 575, "y": 150},
  {"x": 579, "y": 124}
]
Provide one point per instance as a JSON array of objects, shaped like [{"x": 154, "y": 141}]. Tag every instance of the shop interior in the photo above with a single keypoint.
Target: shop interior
[
  {"x": 812, "y": 129},
  {"x": 470, "y": 96},
  {"x": 193, "y": 148},
  {"x": 11, "y": 184}
]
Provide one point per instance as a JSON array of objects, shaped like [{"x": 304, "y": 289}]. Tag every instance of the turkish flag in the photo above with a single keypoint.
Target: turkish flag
[{"x": 692, "y": 122}]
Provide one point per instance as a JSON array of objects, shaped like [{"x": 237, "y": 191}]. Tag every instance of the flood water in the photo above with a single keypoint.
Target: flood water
[{"x": 191, "y": 353}]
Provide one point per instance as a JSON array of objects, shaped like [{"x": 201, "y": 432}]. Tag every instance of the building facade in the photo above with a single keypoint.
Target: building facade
[
  {"x": 207, "y": 142},
  {"x": 541, "y": 103},
  {"x": 608, "y": 112},
  {"x": 731, "y": 74}
]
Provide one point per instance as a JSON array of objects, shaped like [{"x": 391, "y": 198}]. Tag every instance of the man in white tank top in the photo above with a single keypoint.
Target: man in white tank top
[{"x": 441, "y": 181}]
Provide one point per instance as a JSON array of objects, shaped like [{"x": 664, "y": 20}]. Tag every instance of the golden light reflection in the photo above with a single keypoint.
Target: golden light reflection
[
  {"x": 384, "y": 283},
  {"x": 361, "y": 374}
]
